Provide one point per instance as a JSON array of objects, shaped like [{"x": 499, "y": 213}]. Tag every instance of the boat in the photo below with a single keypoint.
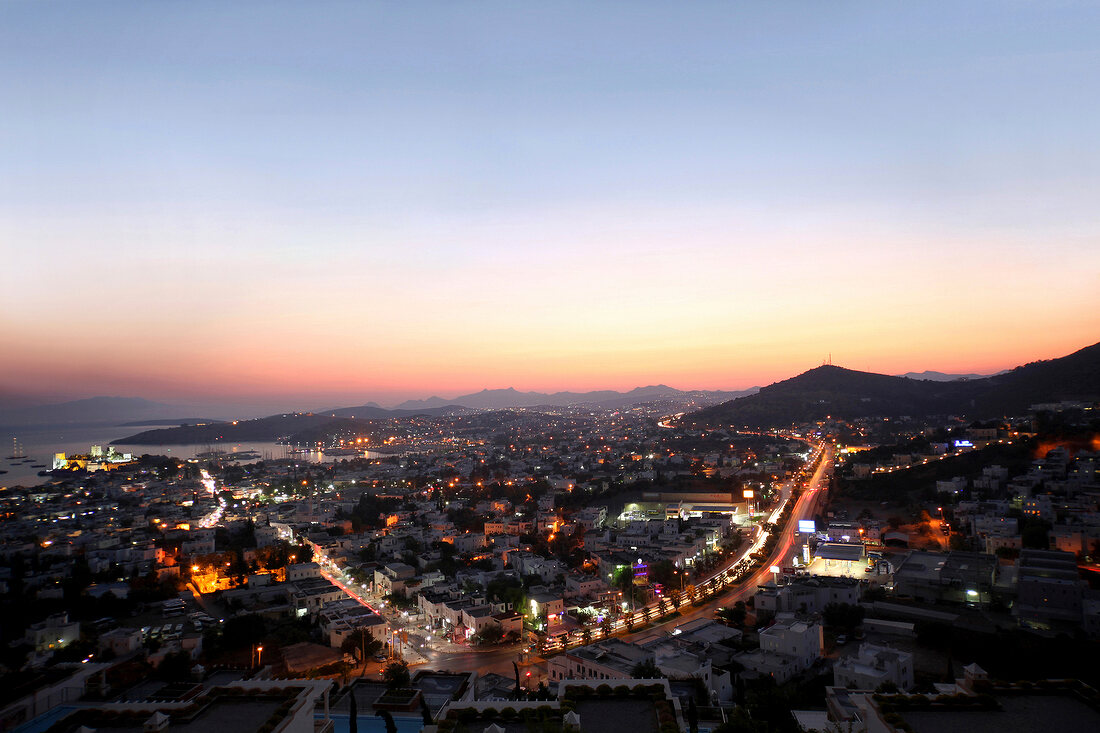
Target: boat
[
  {"x": 342, "y": 451},
  {"x": 17, "y": 453}
]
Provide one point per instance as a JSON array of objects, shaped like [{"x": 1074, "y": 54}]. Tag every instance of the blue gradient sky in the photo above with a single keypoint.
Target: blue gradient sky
[{"x": 376, "y": 200}]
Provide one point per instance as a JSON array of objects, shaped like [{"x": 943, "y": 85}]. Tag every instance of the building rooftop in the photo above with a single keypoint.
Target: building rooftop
[
  {"x": 839, "y": 551},
  {"x": 1018, "y": 714}
]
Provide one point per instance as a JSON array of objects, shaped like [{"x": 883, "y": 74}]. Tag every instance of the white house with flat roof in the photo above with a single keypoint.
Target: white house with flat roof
[
  {"x": 873, "y": 666},
  {"x": 802, "y": 640}
]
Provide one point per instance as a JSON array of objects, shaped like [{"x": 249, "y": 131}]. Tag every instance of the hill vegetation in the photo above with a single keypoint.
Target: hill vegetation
[
  {"x": 264, "y": 429},
  {"x": 844, "y": 393}
]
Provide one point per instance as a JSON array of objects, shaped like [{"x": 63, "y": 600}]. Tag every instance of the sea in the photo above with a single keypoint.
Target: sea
[{"x": 40, "y": 444}]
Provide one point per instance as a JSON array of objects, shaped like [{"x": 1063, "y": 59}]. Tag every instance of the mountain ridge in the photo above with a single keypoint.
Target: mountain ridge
[
  {"x": 102, "y": 409},
  {"x": 833, "y": 391},
  {"x": 934, "y": 376},
  {"x": 507, "y": 397}
]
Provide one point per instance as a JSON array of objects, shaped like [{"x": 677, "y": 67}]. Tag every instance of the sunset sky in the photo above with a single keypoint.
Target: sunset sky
[{"x": 324, "y": 203}]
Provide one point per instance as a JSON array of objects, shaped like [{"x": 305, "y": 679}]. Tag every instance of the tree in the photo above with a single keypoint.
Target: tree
[
  {"x": 396, "y": 674},
  {"x": 738, "y": 722},
  {"x": 175, "y": 667},
  {"x": 491, "y": 634},
  {"x": 243, "y": 631},
  {"x": 391, "y": 727},
  {"x": 735, "y": 615},
  {"x": 844, "y": 615},
  {"x": 646, "y": 670},
  {"x": 1034, "y": 534},
  {"x": 361, "y": 645}
]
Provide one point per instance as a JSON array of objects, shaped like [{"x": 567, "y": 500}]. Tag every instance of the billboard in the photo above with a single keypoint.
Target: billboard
[{"x": 807, "y": 526}]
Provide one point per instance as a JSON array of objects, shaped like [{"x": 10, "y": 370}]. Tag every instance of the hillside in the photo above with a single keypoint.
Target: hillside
[
  {"x": 498, "y": 399},
  {"x": 933, "y": 376},
  {"x": 294, "y": 427},
  {"x": 845, "y": 393},
  {"x": 1073, "y": 377},
  {"x": 372, "y": 411},
  {"x": 263, "y": 429},
  {"x": 91, "y": 410}
]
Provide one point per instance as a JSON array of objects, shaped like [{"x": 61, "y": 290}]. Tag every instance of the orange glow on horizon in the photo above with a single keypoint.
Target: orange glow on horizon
[{"x": 690, "y": 368}]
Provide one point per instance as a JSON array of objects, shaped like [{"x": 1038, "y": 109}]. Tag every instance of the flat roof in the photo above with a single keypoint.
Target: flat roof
[
  {"x": 838, "y": 551},
  {"x": 608, "y": 714},
  {"x": 1018, "y": 714}
]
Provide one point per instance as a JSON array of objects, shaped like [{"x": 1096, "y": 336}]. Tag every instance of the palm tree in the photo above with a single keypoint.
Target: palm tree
[{"x": 391, "y": 727}]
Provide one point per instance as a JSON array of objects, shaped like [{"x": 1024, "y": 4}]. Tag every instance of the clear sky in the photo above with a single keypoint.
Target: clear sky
[{"x": 331, "y": 202}]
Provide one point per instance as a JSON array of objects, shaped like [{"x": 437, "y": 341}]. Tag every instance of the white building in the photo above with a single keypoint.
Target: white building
[
  {"x": 802, "y": 640},
  {"x": 53, "y": 633},
  {"x": 787, "y": 648},
  {"x": 302, "y": 571},
  {"x": 873, "y": 666},
  {"x": 807, "y": 595}
]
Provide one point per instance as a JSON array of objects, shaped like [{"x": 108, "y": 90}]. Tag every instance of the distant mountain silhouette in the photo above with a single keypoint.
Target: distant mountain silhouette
[
  {"x": 303, "y": 427},
  {"x": 91, "y": 410},
  {"x": 500, "y": 399},
  {"x": 171, "y": 422},
  {"x": 262, "y": 429},
  {"x": 423, "y": 404},
  {"x": 941, "y": 377},
  {"x": 372, "y": 411},
  {"x": 835, "y": 391}
]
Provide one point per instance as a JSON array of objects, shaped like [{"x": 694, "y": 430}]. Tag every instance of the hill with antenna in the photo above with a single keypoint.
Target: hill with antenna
[{"x": 830, "y": 390}]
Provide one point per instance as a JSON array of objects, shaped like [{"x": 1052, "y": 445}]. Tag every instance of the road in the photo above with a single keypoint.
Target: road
[
  {"x": 785, "y": 548},
  {"x": 716, "y": 589},
  {"x": 497, "y": 659}
]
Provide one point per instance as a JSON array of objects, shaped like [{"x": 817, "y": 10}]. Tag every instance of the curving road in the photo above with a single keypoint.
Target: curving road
[
  {"x": 785, "y": 548},
  {"x": 722, "y": 587},
  {"x": 719, "y": 589}
]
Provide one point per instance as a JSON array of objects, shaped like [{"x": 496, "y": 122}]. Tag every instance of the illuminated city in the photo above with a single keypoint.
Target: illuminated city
[{"x": 581, "y": 367}]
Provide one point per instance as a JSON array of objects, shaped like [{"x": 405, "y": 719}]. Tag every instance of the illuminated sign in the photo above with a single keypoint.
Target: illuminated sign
[
  {"x": 963, "y": 444},
  {"x": 748, "y": 493},
  {"x": 807, "y": 526}
]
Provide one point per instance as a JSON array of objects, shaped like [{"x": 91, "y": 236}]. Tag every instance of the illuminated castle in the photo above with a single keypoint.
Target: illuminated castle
[{"x": 95, "y": 460}]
